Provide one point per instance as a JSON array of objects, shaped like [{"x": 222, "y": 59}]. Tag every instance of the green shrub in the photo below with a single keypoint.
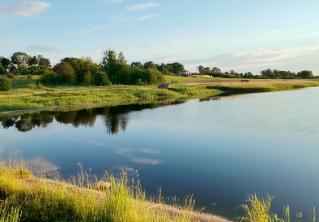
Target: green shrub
[
  {"x": 50, "y": 79},
  {"x": 10, "y": 76},
  {"x": 2, "y": 70},
  {"x": 5, "y": 84},
  {"x": 65, "y": 72},
  {"x": 100, "y": 79}
]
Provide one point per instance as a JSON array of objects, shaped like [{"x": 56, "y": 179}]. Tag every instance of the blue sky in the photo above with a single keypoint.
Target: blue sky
[{"x": 245, "y": 35}]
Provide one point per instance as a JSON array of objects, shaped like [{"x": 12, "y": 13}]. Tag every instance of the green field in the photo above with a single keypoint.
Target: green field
[{"x": 26, "y": 95}]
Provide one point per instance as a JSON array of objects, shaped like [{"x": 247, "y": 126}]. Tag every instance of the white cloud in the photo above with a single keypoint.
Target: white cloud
[
  {"x": 92, "y": 29},
  {"x": 287, "y": 58},
  {"x": 143, "y": 6},
  {"x": 43, "y": 48},
  {"x": 146, "y": 17},
  {"x": 25, "y": 8},
  {"x": 115, "y": 1}
]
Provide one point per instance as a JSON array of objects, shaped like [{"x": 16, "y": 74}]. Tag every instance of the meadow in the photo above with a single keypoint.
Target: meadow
[{"x": 27, "y": 95}]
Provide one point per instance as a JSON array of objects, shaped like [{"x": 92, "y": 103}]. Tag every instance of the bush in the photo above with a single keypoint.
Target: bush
[
  {"x": 100, "y": 79},
  {"x": 2, "y": 70},
  {"x": 10, "y": 76},
  {"x": 5, "y": 84},
  {"x": 50, "y": 79},
  {"x": 65, "y": 72}
]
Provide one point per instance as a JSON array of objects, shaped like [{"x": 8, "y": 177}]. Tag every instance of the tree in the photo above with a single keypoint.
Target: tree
[
  {"x": 44, "y": 61},
  {"x": 109, "y": 58},
  {"x": 121, "y": 59},
  {"x": 2, "y": 70},
  {"x": 20, "y": 59},
  {"x": 83, "y": 68},
  {"x": 176, "y": 68},
  {"x": 5, "y": 84},
  {"x": 5, "y": 62},
  {"x": 150, "y": 65},
  {"x": 65, "y": 71},
  {"x": 137, "y": 65},
  {"x": 100, "y": 79},
  {"x": 306, "y": 74}
]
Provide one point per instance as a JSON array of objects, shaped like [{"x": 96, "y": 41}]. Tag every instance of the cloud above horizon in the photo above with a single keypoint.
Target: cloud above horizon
[
  {"x": 25, "y": 8},
  {"x": 143, "y": 6}
]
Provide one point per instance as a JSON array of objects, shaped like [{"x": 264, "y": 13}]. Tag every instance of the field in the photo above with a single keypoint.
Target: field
[{"x": 26, "y": 95}]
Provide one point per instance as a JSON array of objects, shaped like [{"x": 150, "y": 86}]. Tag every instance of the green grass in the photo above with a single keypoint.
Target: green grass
[
  {"x": 28, "y": 198},
  {"x": 25, "y": 95},
  {"x": 259, "y": 210}
]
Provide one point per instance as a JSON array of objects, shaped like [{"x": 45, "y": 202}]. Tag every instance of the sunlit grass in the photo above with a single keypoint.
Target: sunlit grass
[
  {"x": 259, "y": 210},
  {"x": 28, "y": 198},
  {"x": 26, "y": 95}
]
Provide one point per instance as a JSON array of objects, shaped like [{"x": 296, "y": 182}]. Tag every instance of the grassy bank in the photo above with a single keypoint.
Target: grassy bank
[
  {"x": 25, "y": 95},
  {"x": 28, "y": 198}
]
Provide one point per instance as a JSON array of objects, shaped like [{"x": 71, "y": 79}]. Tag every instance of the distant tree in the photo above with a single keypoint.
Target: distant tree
[
  {"x": 65, "y": 72},
  {"x": 33, "y": 61},
  {"x": 135, "y": 65},
  {"x": 109, "y": 58},
  {"x": 175, "y": 68},
  {"x": 2, "y": 70},
  {"x": 204, "y": 70},
  {"x": 44, "y": 61},
  {"x": 5, "y": 84},
  {"x": 83, "y": 68},
  {"x": 121, "y": 59},
  {"x": 306, "y": 74},
  {"x": 267, "y": 73},
  {"x": 100, "y": 79},
  {"x": 150, "y": 65},
  {"x": 20, "y": 59},
  {"x": 5, "y": 62}
]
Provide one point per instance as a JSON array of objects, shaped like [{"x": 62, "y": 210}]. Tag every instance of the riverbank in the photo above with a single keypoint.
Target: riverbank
[
  {"x": 33, "y": 198},
  {"x": 28, "y": 96}
]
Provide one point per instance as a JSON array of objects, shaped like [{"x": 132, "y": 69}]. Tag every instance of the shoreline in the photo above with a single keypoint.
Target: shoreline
[
  {"x": 25, "y": 191},
  {"x": 29, "y": 100}
]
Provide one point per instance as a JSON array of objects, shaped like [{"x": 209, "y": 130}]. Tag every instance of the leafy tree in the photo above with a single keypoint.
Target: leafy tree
[
  {"x": 5, "y": 62},
  {"x": 150, "y": 65},
  {"x": 100, "y": 79},
  {"x": 137, "y": 65},
  {"x": 82, "y": 66},
  {"x": 109, "y": 58},
  {"x": 20, "y": 59},
  {"x": 176, "y": 68},
  {"x": 5, "y": 84},
  {"x": 44, "y": 61},
  {"x": 121, "y": 59},
  {"x": 306, "y": 74},
  {"x": 2, "y": 70},
  {"x": 65, "y": 72}
]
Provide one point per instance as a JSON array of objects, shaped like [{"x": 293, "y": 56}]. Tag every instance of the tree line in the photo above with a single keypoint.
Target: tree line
[
  {"x": 113, "y": 69},
  {"x": 265, "y": 74}
]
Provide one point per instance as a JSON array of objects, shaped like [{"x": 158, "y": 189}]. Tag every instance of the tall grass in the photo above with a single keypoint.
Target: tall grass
[
  {"x": 28, "y": 198},
  {"x": 258, "y": 210},
  {"x": 9, "y": 214}
]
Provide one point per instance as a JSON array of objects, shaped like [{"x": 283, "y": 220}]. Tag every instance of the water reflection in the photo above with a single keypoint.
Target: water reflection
[{"x": 115, "y": 118}]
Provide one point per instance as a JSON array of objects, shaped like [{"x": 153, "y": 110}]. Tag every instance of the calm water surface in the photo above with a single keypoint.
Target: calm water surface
[{"x": 219, "y": 150}]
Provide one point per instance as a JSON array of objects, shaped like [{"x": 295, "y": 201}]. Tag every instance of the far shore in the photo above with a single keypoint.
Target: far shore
[{"x": 26, "y": 96}]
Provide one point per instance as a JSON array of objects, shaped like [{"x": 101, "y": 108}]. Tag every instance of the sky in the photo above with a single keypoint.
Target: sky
[{"x": 243, "y": 35}]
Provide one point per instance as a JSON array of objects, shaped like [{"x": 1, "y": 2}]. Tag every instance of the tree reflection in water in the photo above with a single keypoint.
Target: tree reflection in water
[{"x": 115, "y": 118}]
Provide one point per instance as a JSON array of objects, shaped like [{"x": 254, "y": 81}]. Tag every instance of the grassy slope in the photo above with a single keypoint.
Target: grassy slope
[
  {"x": 38, "y": 199},
  {"x": 25, "y": 95}
]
